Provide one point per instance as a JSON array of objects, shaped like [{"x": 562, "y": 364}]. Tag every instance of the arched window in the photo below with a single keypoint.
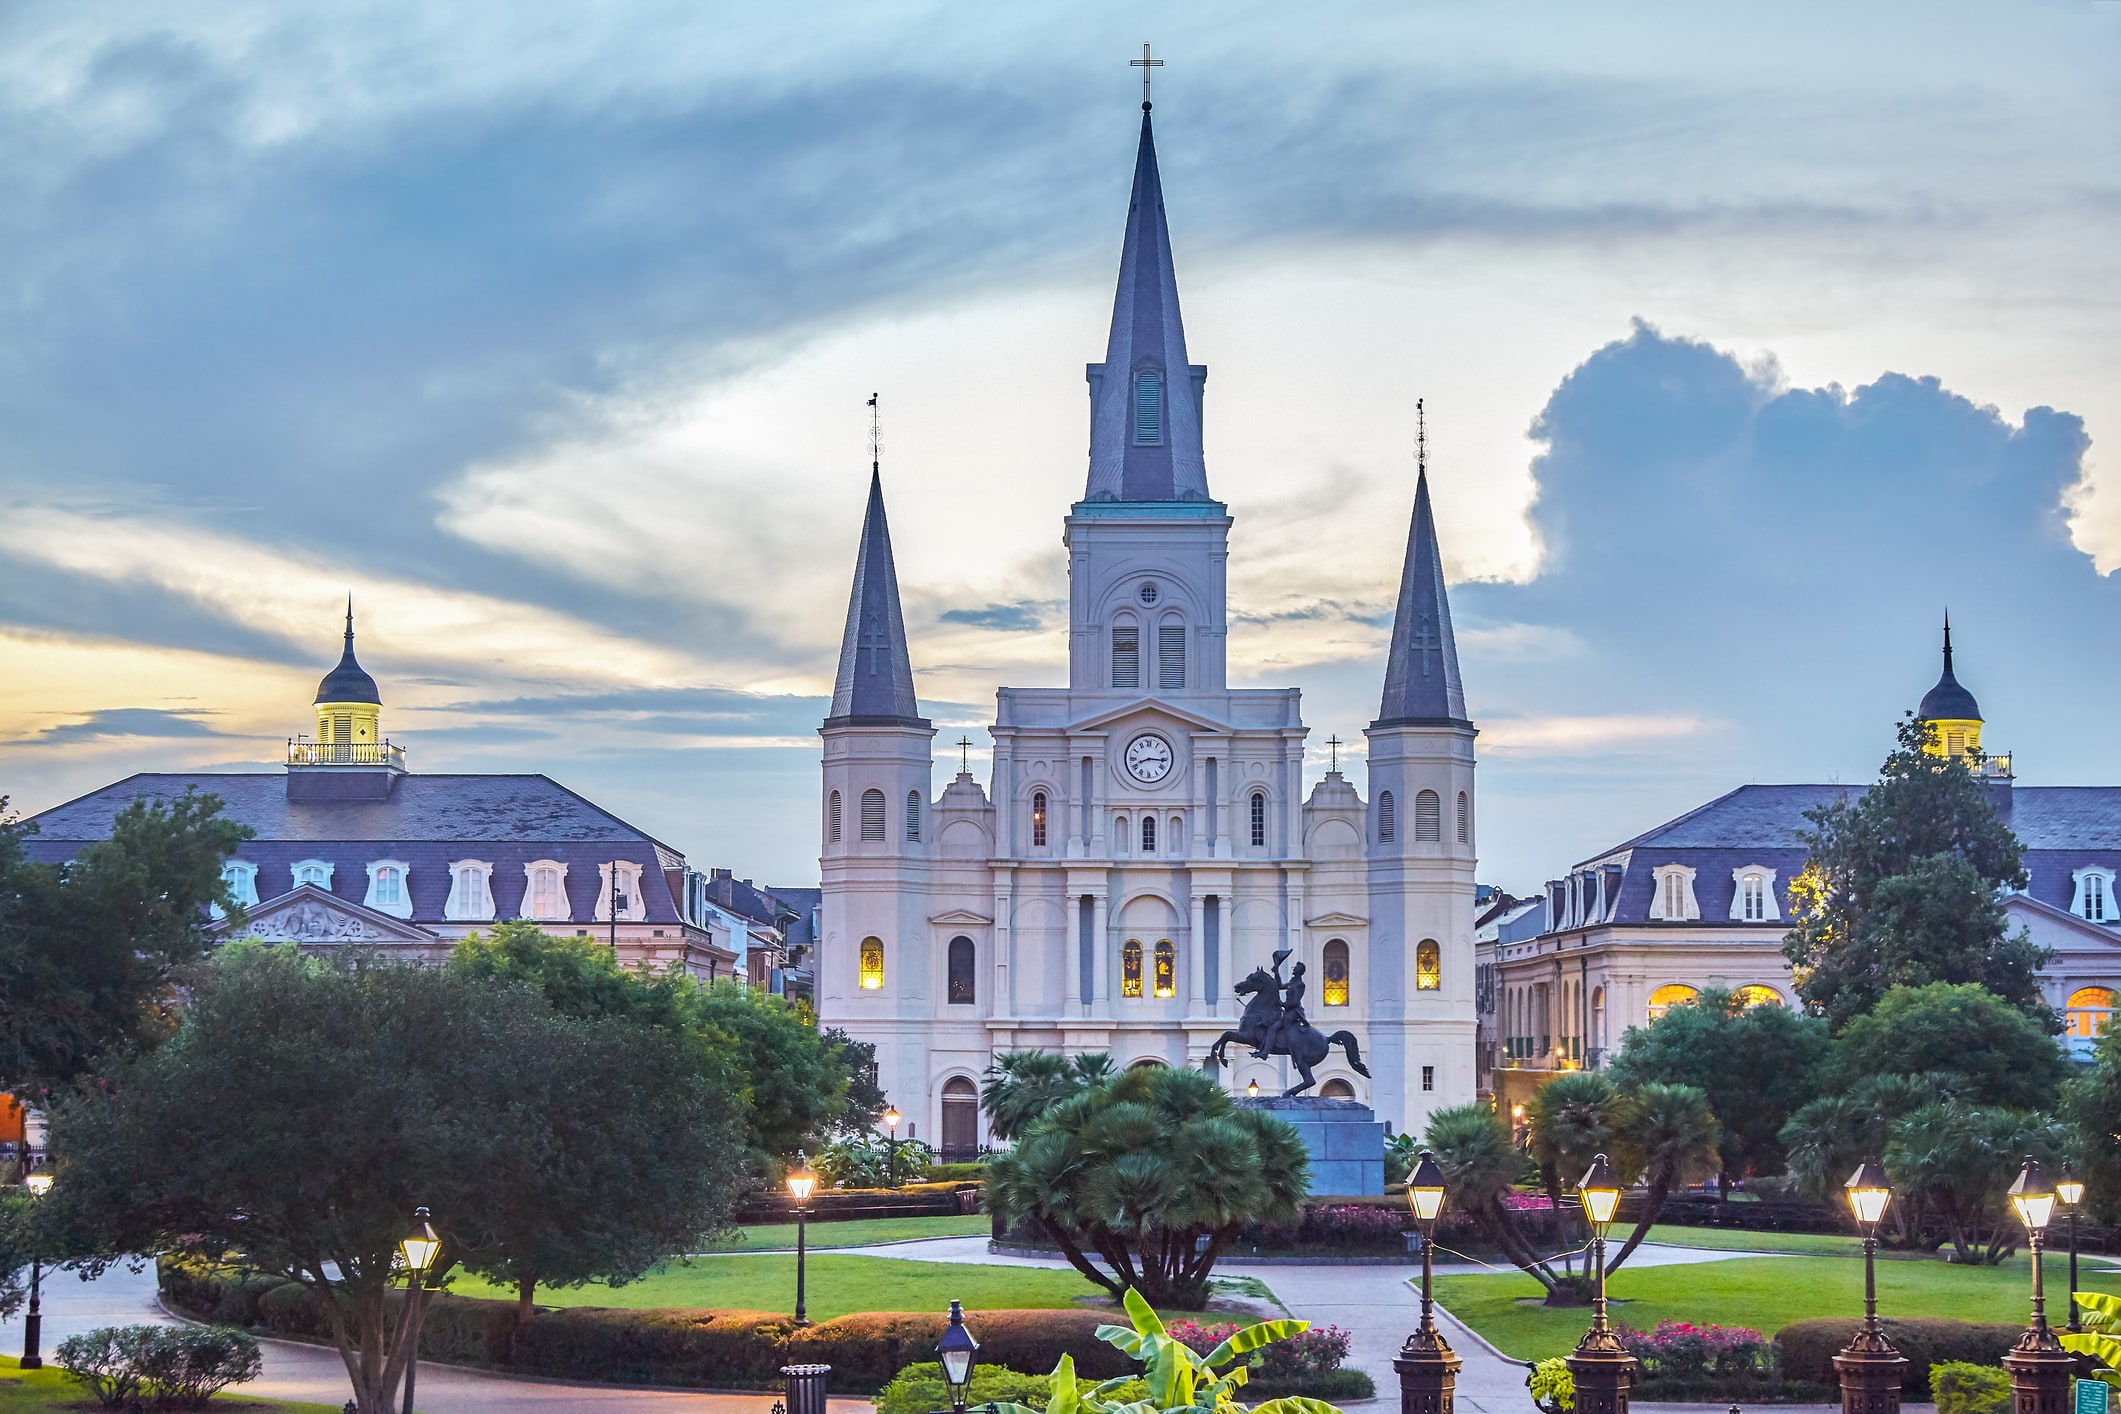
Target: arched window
[
  {"x": 1428, "y": 966},
  {"x": 1757, "y": 996},
  {"x": 2091, "y": 1011},
  {"x": 1668, "y": 996},
  {"x": 1428, "y": 816},
  {"x": 872, "y": 814},
  {"x": 1465, "y": 818},
  {"x": 1148, "y": 834},
  {"x": 2095, "y": 896},
  {"x": 316, "y": 872},
  {"x": 1335, "y": 990},
  {"x": 913, "y": 817},
  {"x": 1126, "y": 654},
  {"x": 1336, "y": 1089},
  {"x": 470, "y": 890},
  {"x": 1598, "y": 1017},
  {"x": 1259, "y": 819},
  {"x": 1387, "y": 823},
  {"x": 241, "y": 876},
  {"x": 963, "y": 990},
  {"x": 872, "y": 978},
  {"x": 1130, "y": 968},
  {"x": 832, "y": 818},
  {"x": 1166, "y": 969},
  {"x": 960, "y": 1121},
  {"x": 1038, "y": 818},
  {"x": 1752, "y": 898},
  {"x": 1148, "y": 407},
  {"x": 546, "y": 897},
  {"x": 1171, "y": 656}
]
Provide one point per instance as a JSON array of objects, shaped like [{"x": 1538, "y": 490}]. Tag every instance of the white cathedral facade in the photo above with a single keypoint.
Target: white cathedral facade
[{"x": 1144, "y": 842}]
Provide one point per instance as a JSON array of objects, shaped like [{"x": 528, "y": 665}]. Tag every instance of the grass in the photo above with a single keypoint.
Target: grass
[
  {"x": 1765, "y": 1293},
  {"x": 38, "y": 1391},
  {"x": 862, "y": 1232},
  {"x": 837, "y": 1285},
  {"x": 1726, "y": 1240}
]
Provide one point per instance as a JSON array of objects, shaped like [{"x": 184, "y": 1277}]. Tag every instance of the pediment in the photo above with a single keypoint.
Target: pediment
[
  {"x": 2061, "y": 917},
  {"x": 311, "y": 916},
  {"x": 1336, "y": 920},
  {"x": 962, "y": 918},
  {"x": 1148, "y": 704}
]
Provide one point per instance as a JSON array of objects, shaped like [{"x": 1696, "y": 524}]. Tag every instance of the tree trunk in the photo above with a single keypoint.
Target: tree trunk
[
  {"x": 1495, "y": 1221},
  {"x": 1075, "y": 1256},
  {"x": 1652, "y": 1205},
  {"x": 525, "y": 1307}
]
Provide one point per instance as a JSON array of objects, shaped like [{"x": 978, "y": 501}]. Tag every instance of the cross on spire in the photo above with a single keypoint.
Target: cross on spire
[
  {"x": 876, "y": 435},
  {"x": 964, "y": 754},
  {"x": 1334, "y": 742},
  {"x": 1425, "y": 642},
  {"x": 873, "y": 639},
  {"x": 1145, "y": 64}
]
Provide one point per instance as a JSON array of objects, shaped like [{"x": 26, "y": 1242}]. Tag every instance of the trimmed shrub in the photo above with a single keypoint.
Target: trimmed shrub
[
  {"x": 921, "y": 1389},
  {"x": 955, "y": 1174},
  {"x": 1806, "y": 1349},
  {"x": 179, "y": 1367},
  {"x": 1962, "y": 1388},
  {"x": 106, "y": 1362},
  {"x": 1682, "y": 1350}
]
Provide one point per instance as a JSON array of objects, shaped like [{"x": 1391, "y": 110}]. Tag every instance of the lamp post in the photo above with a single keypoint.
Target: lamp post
[
  {"x": 2070, "y": 1189},
  {"x": 891, "y": 1119},
  {"x": 1428, "y": 1370},
  {"x": 418, "y": 1248},
  {"x": 38, "y": 1184},
  {"x": 1252, "y": 1090},
  {"x": 956, "y": 1350},
  {"x": 1600, "y": 1365},
  {"x": 2040, "y": 1368},
  {"x": 1871, "y": 1369},
  {"x": 801, "y": 1179}
]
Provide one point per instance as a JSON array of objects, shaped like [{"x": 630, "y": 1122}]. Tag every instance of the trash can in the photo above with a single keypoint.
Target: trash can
[{"x": 806, "y": 1388}]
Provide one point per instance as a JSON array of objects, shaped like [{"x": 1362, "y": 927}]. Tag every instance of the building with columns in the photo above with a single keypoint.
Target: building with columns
[{"x": 1144, "y": 840}]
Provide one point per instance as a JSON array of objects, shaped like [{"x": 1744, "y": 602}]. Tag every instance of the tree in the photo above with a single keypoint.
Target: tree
[
  {"x": 866, "y": 1100},
  {"x": 2091, "y": 1105},
  {"x": 1666, "y": 1136},
  {"x": 90, "y": 949},
  {"x": 1903, "y": 888},
  {"x": 1829, "y": 1137},
  {"x": 1756, "y": 1064},
  {"x": 1981, "y": 1049},
  {"x": 303, "y": 1110},
  {"x": 1481, "y": 1167},
  {"x": 1568, "y": 1123},
  {"x": 1022, "y": 1085},
  {"x": 798, "y": 1084},
  {"x": 1136, "y": 1167},
  {"x": 1959, "y": 1159}
]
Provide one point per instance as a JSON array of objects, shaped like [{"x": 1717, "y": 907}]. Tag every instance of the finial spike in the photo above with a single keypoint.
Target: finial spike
[
  {"x": 876, "y": 435},
  {"x": 349, "y": 621},
  {"x": 1421, "y": 437},
  {"x": 1947, "y": 638}
]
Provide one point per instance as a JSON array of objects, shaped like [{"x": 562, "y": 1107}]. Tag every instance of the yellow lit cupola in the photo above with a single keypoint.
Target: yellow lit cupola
[
  {"x": 1951, "y": 709},
  {"x": 349, "y": 733}
]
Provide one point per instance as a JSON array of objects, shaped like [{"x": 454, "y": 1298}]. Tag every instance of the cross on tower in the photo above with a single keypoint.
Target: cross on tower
[
  {"x": 964, "y": 754},
  {"x": 873, "y": 637},
  {"x": 1334, "y": 742},
  {"x": 1145, "y": 63},
  {"x": 1426, "y": 642}
]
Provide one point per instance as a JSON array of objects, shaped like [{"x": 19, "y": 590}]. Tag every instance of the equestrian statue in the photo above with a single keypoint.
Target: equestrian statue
[{"x": 1274, "y": 1024}]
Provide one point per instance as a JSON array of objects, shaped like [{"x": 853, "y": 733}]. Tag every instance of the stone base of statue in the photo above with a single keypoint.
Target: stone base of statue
[{"x": 1345, "y": 1138}]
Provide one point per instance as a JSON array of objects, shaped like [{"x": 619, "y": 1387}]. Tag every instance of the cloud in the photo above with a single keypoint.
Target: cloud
[
  {"x": 119, "y": 722},
  {"x": 1023, "y": 616}
]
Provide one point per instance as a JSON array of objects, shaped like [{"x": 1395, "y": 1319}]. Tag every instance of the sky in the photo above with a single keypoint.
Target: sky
[{"x": 1751, "y": 338}]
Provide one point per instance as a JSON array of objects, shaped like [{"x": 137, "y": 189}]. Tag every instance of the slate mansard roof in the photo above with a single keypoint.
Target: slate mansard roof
[
  {"x": 2063, "y": 829},
  {"x": 428, "y": 823}
]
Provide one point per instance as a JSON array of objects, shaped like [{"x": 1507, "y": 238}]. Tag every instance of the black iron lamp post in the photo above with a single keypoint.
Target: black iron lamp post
[
  {"x": 956, "y": 1350},
  {"x": 891, "y": 1120},
  {"x": 418, "y": 1248},
  {"x": 2070, "y": 1189},
  {"x": 2040, "y": 1368},
  {"x": 38, "y": 1185},
  {"x": 1600, "y": 1365},
  {"x": 801, "y": 1180},
  {"x": 1871, "y": 1369},
  {"x": 1428, "y": 1370}
]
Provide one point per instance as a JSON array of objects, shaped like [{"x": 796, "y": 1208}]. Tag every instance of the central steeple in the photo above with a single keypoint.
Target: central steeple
[{"x": 1145, "y": 398}]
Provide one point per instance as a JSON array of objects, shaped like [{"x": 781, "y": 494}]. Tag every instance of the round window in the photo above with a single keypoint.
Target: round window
[{"x": 1149, "y": 592}]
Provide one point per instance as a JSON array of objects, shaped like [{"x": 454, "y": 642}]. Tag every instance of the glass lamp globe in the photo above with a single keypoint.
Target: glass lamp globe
[
  {"x": 801, "y": 1179},
  {"x": 419, "y": 1245},
  {"x": 2069, "y": 1188},
  {"x": 1869, "y": 1191},
  {"x": 38, "y": 1184},
  {"x": 956, "y": 1349},
  {"x": 1600, "y": 1190},
  {"x": 1425, "y": 1188},
  {"x": 2033, "y": 1196}
]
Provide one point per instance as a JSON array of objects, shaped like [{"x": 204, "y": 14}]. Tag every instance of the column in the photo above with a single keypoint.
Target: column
[
  {"x": 1000, "y": 1000},
  {"x": 1101, "y": 939},
  {"x": 1072, "y": 968},
  {"x": 1197, "y": 950}
]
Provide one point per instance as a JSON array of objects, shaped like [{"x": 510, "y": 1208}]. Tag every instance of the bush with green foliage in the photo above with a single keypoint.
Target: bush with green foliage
[
  {"x": 921, "y": 1389},
  {"x": 178, "y": 1367},
  {"x": 1961, "y": 1388},
  {"x": 1806, "y": 1349},
  {"x": 1552, "y": 1385},
  {"x": 1981, "y": 1049},
  {"x": 869, "y": 1161},
  {"x": 2100, "y": 1318}
]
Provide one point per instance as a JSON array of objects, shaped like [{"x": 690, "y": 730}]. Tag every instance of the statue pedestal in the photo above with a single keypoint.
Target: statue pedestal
[{"x": 1345, "y": 1137}]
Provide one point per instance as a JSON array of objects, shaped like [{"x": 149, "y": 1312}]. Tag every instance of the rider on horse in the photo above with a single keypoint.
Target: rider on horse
[{"x": 1291, "y": 1019}]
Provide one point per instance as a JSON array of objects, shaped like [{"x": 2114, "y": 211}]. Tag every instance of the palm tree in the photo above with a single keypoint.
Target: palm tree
[
  {"x": 1480, "y": 1167},
  {"x": 1022, "y": 1085},
  {"x": 1568, "y": 1124},
  {"x": 1667, "y": 1135}
]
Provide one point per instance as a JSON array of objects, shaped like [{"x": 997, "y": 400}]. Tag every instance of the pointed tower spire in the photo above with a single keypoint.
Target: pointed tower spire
[
  {"x": 349, "y": 682},
  {"x": 1948, "y": 701},
  {"x": 875, "y": 682},
  {"x": 1421, "y": 675},
  {"x": 1145, "y": 398}
]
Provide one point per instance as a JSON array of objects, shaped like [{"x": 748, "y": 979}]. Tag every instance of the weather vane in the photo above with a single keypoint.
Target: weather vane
[{"x": 1145, "y": 64}]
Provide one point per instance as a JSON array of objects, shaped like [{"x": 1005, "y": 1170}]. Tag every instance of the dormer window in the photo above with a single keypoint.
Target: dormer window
[
  {"x": 1753, "y": 895},
  {"x": 1149, "y": 407},
  {"x": 316, "y": 872},
  {"x": 622, "y": 895},
  {"x": 389, "y": 890},
  {"x": 241, "y": 876},
  {"x": 1672, "y": 894},
  {"x": 545, "y": 891},
  {"x": 470, "y": 890},
  {"x": 2095, "y": 896}
]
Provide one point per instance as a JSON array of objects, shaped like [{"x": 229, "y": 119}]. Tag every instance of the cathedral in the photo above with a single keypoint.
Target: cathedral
[{"x": 1144, "y": 844}]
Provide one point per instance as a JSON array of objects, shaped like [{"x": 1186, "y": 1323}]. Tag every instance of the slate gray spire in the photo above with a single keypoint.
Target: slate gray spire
[
  {"x": 1145, "y": 399},
  {"x": 875, "y": 683},
  {"x": 1422, "y": 686},
  {"x": 349, "y": 682}
]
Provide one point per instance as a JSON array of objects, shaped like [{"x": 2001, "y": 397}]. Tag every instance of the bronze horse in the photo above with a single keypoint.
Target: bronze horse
[{"x": 1307, "y": 1045}]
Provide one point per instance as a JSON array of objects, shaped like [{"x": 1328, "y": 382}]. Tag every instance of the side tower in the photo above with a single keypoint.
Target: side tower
[
  {"x": 875, "y": 974},
  {"x": 1421, "y": 857}
]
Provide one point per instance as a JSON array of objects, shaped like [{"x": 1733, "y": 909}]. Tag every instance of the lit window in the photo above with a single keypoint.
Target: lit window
[
  {"x": 546, "y": 897},
  {"x": 1465, "y": 818},
  {"x": 1148, "y": 407},
  {"x": 1668, "y": 996},
  {"x": 1166, "y": 969},
  {"x": 1130, "y": 968},
  {"x": 1335, "y": 990},
  {"x": 2095, "y": 896},
  {"x": 1259, "y": 819},
  {"x": 961, "y": 985},
  {"x": 1171, "y": 657},
  {"x": 1148, "y": 834},
  {"x": 1753, "y": 891},
  {"x": 1757, "y": 996},
  {"x": 1126, "y": 656},
  {"x": 913, "y": 817},
  {"x": 872, "y": 814},
  {"x": 1428, "y": 816},
  {"x": 872, "y": 977},
  {"x": 388, "y": 889},
  {"x": 1038, "y": 818},
  {"x": 470, "y": 890},
  {"x": 2091, "y": 1011},
  {"x": 832, "y": 819},
  {"x": 315, "y": 872},
  {"x": 1428, "y": 966},
  {"x": 1387, "y": 825}
]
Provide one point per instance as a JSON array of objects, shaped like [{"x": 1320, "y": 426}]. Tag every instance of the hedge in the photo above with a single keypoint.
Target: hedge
[
  {"x": 1807, "y": 1348},
  {"x": 690, "y": 1349}
]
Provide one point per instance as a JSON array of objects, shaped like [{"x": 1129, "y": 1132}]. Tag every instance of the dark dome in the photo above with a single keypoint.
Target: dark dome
[
  {"x": 349, "y": 682},
  {"x": 1949, "y": 702}
]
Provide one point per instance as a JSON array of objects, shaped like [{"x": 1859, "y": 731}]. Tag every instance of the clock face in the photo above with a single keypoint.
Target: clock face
[{"x": 1148, "y": 759}]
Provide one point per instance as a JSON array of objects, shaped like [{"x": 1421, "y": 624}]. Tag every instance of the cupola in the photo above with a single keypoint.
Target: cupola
[
  {"x": 349, "y": 759},
  {"x": 1951, "y": 709}
]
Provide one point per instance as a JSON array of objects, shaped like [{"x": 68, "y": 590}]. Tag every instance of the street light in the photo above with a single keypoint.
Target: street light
[
  {"x": 417, "y": 1248},
  {"x": 955, "y": 1350},
  {"x": 1600, "y": 1365},
  {"x": 2040, "y": 1368},
  {"x": 38, "y": 1184},
  {"x": 2070, "y": 1189},
  {"x": 1428, "y": 1370},
  {"x": 1252, "y": 1090},
  {"x": 1871, "y": 1369},
  {"x": 891, "y": 1118},
  {"x": 801, "y": 1179}
]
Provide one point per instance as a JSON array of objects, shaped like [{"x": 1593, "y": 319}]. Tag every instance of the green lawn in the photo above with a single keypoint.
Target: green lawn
[
  {"x": 1725, "y": 1240},
  {"x": 837, "y": 1286},
  {"x": 37, "y": 1391},
  {"x": 1765, "y": 1293},
  {"x": 862, "y": 1232}
]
